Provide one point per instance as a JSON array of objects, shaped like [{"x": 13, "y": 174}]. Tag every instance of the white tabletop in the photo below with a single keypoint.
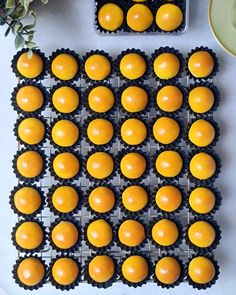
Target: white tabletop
[{"x": 71, "y": 25}]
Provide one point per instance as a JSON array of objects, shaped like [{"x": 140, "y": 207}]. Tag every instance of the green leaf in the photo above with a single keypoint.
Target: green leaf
[
  {"x": 44, "y": 1},
  {"x": 30, "y": 53},
  {"x": 17, "y": 28},
  {"x": 19, "y": 41},
  {"x": 30, "y": 45},
  {"x": 29, "y": 27},
  {"x": 25, "y": 4},
  {"x": 10, "y": 3},
  {"x": 7, "y": 31}
]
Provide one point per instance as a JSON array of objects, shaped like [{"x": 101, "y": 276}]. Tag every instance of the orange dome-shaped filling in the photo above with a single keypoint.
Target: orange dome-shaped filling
[
  {"x": 65, "y": 235},
  {"x": 31, "y": 271},
  {"x": 30, "y": 164},
  {"x": 27, "y": 200},
  {"x": 134, "y": 198},
  {"x": 29, "y": 235},
  {"x": 135, "y": 269},
  {"x": 101, "y": 199},
  {"x": 99, "y": 233},
  {"x": 65, "y": 199},
  {"x": 65, "y": 99},
  {"x": 30, "y": 66},
  {"x": 29, "y": 98},
  {"x": 101, "y": 268},
  {"x": 65, "y": 271}
]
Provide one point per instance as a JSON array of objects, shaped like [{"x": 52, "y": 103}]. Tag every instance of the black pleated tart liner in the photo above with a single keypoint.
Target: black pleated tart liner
[
  {"x": 212, "y": 282},
  {"x": 56, "y": 284},
  {"x": 97, "y": 52},
  {"x": 87, "y": 91},
  {"x": 15, "y": 276},
  {"x": 119, "y": 58},
  {"x": 184, "y": 92},
  {"x": 125, "y": 5},
  {"x": 144, "y": 87},
  {"x": 88, "y": 278},
  {"x": 107, "y": 179},
  {"x": 213, "y": 246},
  {"x": 19, "y": 75},
  {"x": 149, "y": 263},
  {"x": 184, "y": 167},
  {"x": 27, "y": 145},
  {"x": 64, "y": 51},
  {"x": 129, "y": 248},
  {"x": 171, "y": 50},
  {"x": 43, "y": 243},
  {"x": 179, "y": 240},
  {"x": 180, "y": 278},
  {"x": 66, "y": 181},
  {"x": 52, "y": 189},
  {"x": 80, "y": 233},
  {"x": 177, "y": 141},
  {"x": 32, "y": 179},
  {"x": 168, "y": 183},
  {"x": 216, "y": 64},
  {"x": 214, "y": 125},
  {"x": 209, "y": 181},
  {"x": 98, "y": 5},
  {"x": 71, "y": 119},
  {"x": 92, "y": 247},
  {"x": 13, "y": 207},
  {"x": 120, "y": 156},
  {"x": 131, "y": 214},
  {"x": 143, "y": 120},
  {"x": 99, "y": 214},
  {"x": 29, "y": 83},
  {"x": 215, "y": 92},
  {"x": 89, "y": 120},
  {"x": 74, "y": 87},
  {"x": 218, "y": 201},
  {"x": 149, "y": 4},
  {"x": 181, "y": 27}
]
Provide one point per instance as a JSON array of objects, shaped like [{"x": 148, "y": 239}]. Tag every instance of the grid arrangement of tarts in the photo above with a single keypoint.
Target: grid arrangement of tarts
[
  {"x": 116, "y": 168},
  {"x": 141, "y": 16}
]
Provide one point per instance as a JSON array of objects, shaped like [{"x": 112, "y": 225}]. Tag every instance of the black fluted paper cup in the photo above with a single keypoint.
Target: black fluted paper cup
[
  {"x": 91, "y": 281},
  {"x": 87, "y": 105},
  {"x": 176, "y": 243},
  {"x": 42, "y": 244},
  {"x": 171, "y": 50},
  {"x": 77, "y": 244},
  {"x": 20, "y": 176},
  {"x": 145, "y": 280},
  {"x": 214, "y": 57},
  {"x": 12, "y": 202},
  {"x": 101, "y": 53},
  {"x": 69, "y": 286},
  {"x": 140, "y": 53},
  {"x": 16, "y": 57},
  {"x": 215, "y": 243},
  {"x": 42, "y": 90},
  {"x": 206, "y": 285},
  {"x": 51, "y": 206},
  {"x": 27, "y": 144},
  {"x": 19, "y": 282},
  {"x": 216, "y": 95},
  {"x": 178, "y": 281},
  {"x": 218, "y": 201},
  {"x": 64, "y": 51},
  {"x": 77, "y": 109}
]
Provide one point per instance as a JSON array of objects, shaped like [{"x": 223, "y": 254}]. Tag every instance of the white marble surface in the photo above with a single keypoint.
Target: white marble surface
[{"x": 71, "y": 25}]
